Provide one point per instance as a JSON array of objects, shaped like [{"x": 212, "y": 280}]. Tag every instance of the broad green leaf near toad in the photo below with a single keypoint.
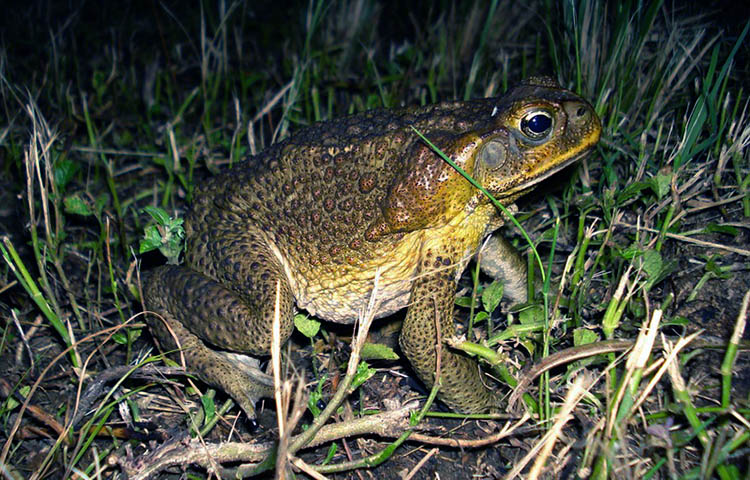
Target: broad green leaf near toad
[
  {"x": 492, "y": 295},
  {"x": 158, "y": 214},
  {"x": 167, "y": 235},
  {"x": 463, "y": 302},
  {"x": 209, "y": 407},
  {"x": 532, "y": 315},
  {"x": 306, "y": 325},
  {"x": 378, "y": 351},
  {"x": 480, "y": 317},
  {"x": 127, "y": 335},
  {"x": 151, "y": 239},
  {"x": 364, "y": 373}
]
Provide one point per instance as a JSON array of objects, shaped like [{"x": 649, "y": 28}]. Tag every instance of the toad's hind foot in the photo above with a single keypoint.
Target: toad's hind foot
[
  {"x": 240, "y": 377},
  {"x": 237, "y": 375},
  {"x": 167, "y": 292}
]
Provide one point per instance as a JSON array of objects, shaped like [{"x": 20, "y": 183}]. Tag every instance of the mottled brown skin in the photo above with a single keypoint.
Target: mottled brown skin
[{"x": 322, "y": 211}]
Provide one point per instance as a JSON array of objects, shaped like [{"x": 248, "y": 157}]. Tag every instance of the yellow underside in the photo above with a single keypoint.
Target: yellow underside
[{"x": 340, "y": 293}]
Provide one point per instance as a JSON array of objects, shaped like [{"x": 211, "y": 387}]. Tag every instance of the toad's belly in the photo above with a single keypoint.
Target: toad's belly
[
  {"x": 348, "y": 305},
  {"x": 342, "y": 293}
]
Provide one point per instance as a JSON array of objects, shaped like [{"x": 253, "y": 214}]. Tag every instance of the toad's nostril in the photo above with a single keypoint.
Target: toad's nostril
[{"x": 576, "y": 110}]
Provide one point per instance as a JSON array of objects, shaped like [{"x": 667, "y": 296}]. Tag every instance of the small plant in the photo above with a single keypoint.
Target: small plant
[{"x": 166, "y": 235}]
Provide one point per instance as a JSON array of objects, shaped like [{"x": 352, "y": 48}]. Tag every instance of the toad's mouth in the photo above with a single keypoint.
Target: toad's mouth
[{"x": 542, "y": 175}]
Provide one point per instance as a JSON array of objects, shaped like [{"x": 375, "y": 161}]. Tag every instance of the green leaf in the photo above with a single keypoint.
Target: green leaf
[
  {"x": 209, "y": 408},
  {"x": 676, "y": 321},
  {"x": 651, "y": 262},
  {"x": 134, "y": 333},
  {"x": 492, "y": 295},
  {"x": 158, "y": 214},
  {"x": 364, "y": 373},
  {"x": 64, "y": 172},
  {"x": 660, "y": 184},
  {"x": 480, "y": 316},
  {"x": 715, "y": 228},
  {"x": 11, "y": 402},
  {"x": 169, "y": 362},
  {"x": 307, "y": 326},
  {"x": 312, "y": 402},
  {"x": 166, "y": 236},
  {"x": 630, "y": 253},
  {"x": 532, "y": 315},
  {"x": 378, "y": 351},
  {"x": 463, "y": 302},
  {"x": 656, "y": 269},
  {"x": 151, "y": 239},
  {"x": 126, "y": 335},
  {"x": 101, "y": 202},
  {"x": 331, "y": 452},
  {"x": 120, "y": 338},
  {"x": 315, "y": 397},
  {"x": 715, "y": 268},
  {"x": 631, "y": 191},
  {"x": 584, "y": 336},
  {"x": 76, "y": 205}
]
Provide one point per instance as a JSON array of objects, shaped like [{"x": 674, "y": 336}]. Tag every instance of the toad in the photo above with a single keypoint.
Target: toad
[{"x": 324, "y": 210}]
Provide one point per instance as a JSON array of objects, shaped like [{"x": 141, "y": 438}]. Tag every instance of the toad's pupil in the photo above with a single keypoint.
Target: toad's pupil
[{"x": 539, "y": 123}]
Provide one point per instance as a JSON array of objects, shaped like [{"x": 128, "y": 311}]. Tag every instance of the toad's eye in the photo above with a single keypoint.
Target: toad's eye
[{"x": 536, "y": 124}]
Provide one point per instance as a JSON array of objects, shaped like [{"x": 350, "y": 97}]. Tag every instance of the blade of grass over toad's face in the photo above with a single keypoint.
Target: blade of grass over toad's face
[{"x": 479, "y": 187}]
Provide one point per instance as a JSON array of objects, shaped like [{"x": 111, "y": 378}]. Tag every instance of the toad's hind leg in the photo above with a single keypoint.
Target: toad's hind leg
[{"x": 219, "y": 307}]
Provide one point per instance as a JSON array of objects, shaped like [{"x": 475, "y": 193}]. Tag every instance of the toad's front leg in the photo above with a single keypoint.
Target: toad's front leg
[{"x": 433, "y": 294}]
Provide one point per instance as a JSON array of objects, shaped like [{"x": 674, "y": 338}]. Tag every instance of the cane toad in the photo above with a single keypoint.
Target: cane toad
[{"x": 325, "y": 209}]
